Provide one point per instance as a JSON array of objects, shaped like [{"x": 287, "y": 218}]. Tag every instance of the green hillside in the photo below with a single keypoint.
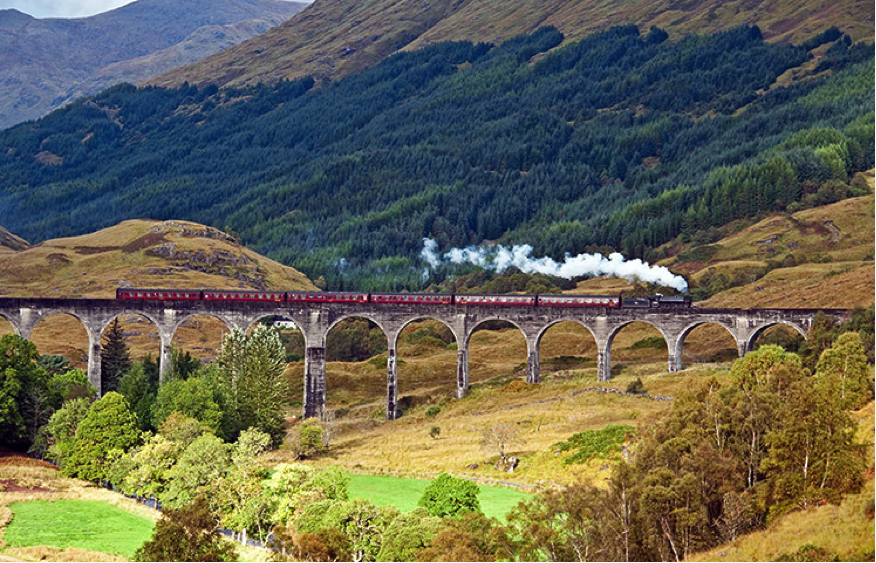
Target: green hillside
[{"x": 623, "y": 139}]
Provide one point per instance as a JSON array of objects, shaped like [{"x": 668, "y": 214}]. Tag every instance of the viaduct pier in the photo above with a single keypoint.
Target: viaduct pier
[{"x": 316, "y": 319}]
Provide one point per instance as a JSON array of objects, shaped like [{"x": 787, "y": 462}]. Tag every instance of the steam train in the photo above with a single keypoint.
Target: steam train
[{"x": 614, "y": 301}]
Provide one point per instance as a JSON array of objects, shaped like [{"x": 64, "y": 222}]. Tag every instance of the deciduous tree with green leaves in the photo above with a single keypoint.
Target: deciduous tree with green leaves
[
  {"x": 109, "y": 429},
  {"x": 448, "y": 496},
  {"x": 187, "y": 534}
]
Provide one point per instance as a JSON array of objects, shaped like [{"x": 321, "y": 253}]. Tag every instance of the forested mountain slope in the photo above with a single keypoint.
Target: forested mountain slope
[
  {"x": 334, "y": 38},
  {"x": 622, "y": 139},
  {"x": 47, "y": 62}
]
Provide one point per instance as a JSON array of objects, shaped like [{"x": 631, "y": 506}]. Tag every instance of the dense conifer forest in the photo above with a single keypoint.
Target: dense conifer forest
[{"x": 624, "y": 139}]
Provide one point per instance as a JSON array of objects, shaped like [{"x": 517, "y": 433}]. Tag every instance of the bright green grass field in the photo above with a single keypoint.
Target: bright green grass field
[
  {"x": 404, "y": 493},
  {"x": 87, "y": 524}
]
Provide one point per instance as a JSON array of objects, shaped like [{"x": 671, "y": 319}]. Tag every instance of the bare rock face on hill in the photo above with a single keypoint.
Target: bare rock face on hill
[
  {"x": 333, "y": 38},
  {"x": 45, "y": 63},
  {"x": 12, "y": 242},
  {"x": 139, "y": 253}
]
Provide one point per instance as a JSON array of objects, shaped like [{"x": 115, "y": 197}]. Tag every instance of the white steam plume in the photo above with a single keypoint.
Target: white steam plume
[{"x": 500, "y": 258}]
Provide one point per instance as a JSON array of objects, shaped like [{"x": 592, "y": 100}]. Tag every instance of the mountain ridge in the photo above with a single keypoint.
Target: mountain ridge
[
  {"x": 334, "y": 38},
  {"x": 44, "y": 63}
]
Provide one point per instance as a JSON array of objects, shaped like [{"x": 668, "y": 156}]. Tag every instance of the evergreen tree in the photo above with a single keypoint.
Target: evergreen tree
[{"x": 115, "y": 360}]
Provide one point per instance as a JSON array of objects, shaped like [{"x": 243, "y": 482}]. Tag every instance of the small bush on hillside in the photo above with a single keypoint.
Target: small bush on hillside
[
  {"x": 636, "y": 387},
  {"x": 433, "y": 411},
  {"x": 591, "y": 444},
  {"x": 809, "y": 552},
  {"x": 651, "y": 342},
  {"x": 434, "y": 432}
]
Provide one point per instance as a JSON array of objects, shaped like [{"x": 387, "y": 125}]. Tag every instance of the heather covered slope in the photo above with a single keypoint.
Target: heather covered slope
[
  {"x": 334, "y": 38},
  {"x": 140, "y": 253},
  {"x": 623, "y": 139},
  {"x": 47, "y": 62}
]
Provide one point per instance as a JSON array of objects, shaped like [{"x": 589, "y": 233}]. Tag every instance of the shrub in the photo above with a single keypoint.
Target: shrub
[
  {"x": 433, "y": 411},
  {"x": 591, "y": 444},
  {"x": 448, "y": 496},
  {"x": 636, "y": 387},
  {"x": 187, "y": 534},
  {"x": 434, "y": 432},
  {"x": 651, "y": 342}
]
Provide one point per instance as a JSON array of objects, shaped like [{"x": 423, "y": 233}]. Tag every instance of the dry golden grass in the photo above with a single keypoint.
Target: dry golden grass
[
  {"x": 43, "y": 553},
  {"x": 843, "y": 285},
  {"x": 544, "y": 414},
  {"x": 333, "y": 39},
  {"x": 96, "y": 264}
]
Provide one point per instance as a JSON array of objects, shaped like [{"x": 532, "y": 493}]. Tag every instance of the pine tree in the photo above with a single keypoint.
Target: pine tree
[{"x": 115, "y": 358}]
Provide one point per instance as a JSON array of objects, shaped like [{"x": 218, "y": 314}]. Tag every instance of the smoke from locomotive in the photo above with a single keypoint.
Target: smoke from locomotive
[{"x": 499, "y": 258}]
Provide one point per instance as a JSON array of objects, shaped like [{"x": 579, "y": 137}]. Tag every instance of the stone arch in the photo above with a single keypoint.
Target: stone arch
[
  {"x": 178, "y": 323},
  {"x": 474, "y": 328},
  {"x": 414, "y": 319},
  {"x": 91, "y": 332},
  {"x": 159, "y": 329},
  {"x": 542, "y": 332},
  {"x": 465, "y": 348},
  {"x": 749, "y": 345},
  {"x": 679, "y": 345},
  {"x": 357, "y": 370},
  {"x": 393, "y": 356},
  {"x": 299, "y": 324},
  {"x": 604, "y": 372},
  {"x": 132, "y": 313},
  {"x": 617, "y": 328},
  {"x": 38, "y": 318},
  {"x": 534, "y": 361},
  {"x": 363, "y": 315}
]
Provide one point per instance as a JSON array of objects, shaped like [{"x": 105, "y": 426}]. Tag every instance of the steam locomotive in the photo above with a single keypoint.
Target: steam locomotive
[{"x": 614, "y": 301}]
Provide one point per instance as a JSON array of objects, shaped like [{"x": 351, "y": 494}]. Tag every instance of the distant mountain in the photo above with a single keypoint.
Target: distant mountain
[
  {"x": 47, "y": 62},
  {"x": 334, "y": 38}
]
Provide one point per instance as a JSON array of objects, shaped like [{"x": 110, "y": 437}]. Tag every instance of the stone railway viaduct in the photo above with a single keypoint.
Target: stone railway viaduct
[{"x": 316, "y": 319}]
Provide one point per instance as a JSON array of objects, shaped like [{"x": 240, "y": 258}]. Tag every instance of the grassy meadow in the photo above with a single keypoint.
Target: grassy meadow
[
  {"x": 92, "y": 525},
  {"x": 404, "y": 493}
]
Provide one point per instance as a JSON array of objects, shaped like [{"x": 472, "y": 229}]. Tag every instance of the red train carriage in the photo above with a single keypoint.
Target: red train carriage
[
  {"x": 232, "y": 295},
  {"x": 416, "y": 298},
  {"x": 580, "y": 300},
  {"x": 158, "y": 294},
  {"x": 326, "y": 297},
  {"x": 471, "y": 299}
]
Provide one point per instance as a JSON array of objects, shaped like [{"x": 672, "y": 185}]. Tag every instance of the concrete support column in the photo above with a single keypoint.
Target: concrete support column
[
  {"x": 314, "y": 383},
  {"x": 675, "y": 361},
  {"x": 28, "y": 320},
  {"x": 742, "y": 348},
  {"x": 532, "y": 370},
  {"x": 164, "y": 363},
  {"x": 462, "y": 373},
  {"x": 604, "y": 362},
  {"x": 391, "y": 384},
  {"x": 94, "y": 361}
]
